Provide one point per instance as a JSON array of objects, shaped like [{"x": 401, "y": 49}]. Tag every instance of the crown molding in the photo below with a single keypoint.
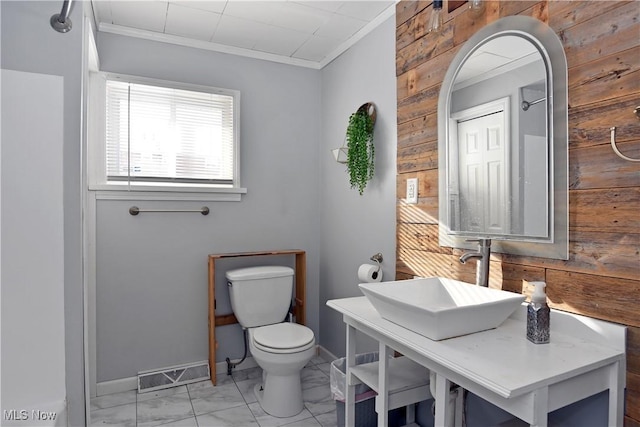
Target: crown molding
[
  {"x": 201, "y": 44},
  {"x": 249, "y": 53},
  {"x": 383, "y": 16}
]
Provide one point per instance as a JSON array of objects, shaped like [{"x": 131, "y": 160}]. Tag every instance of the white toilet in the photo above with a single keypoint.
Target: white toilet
[{"x": 260, "y": 298}]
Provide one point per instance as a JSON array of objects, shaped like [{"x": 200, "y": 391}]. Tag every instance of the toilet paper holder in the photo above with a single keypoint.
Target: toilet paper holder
[{"x": 378, "y": 259}]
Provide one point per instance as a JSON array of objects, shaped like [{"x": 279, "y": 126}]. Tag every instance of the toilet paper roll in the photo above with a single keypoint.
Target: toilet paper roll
[{"x": 370, "y": 273}]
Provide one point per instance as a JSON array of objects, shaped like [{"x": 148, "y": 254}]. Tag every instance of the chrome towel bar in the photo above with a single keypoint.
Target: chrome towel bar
[{"x": 134, "y": 210}]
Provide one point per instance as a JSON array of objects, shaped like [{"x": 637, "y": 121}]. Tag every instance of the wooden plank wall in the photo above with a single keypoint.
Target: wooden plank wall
[{"x": 602, "y": 276}]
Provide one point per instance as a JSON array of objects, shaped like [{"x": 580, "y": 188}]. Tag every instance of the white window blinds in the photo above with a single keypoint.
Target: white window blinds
[{"x": 167, "y": 135}]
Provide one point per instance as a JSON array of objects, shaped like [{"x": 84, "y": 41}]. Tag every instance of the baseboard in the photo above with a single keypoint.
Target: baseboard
[
  {"x": 326, "y": 354},
  {"x": 116, "y": 386},
  {"x": 131, "y": 383}
]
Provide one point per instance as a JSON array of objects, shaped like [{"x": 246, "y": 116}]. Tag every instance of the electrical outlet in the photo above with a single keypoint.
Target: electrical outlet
[{"x": 412, "y": 190}]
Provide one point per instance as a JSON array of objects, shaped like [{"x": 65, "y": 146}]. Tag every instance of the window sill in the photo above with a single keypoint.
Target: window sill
[{"x": 167, "y": 193}]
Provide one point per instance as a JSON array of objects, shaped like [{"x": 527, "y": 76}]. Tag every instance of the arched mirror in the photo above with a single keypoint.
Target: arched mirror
[{"x": 502, "y": 141}]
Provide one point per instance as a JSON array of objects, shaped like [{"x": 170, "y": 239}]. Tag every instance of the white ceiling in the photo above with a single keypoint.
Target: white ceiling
[{"x": 308, "y": 33}]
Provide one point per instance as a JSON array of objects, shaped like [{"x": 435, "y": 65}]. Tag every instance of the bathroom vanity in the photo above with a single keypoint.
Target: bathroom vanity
[{"x": 585, "y": 356}]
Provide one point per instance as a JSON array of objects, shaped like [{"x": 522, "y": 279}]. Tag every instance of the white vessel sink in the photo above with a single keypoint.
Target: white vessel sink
[{"x": 440, "y": 308}]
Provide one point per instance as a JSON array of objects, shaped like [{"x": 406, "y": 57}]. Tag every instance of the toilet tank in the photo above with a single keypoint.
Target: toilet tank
[{"x": 260, "y": 295}]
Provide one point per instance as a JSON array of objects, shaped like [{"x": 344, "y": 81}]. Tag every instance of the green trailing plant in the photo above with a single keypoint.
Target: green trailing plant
[{"x": 360, "y": 149}]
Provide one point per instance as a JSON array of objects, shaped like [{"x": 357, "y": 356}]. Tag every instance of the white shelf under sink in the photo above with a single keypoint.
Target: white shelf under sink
[{"x": 408, "y": 381}]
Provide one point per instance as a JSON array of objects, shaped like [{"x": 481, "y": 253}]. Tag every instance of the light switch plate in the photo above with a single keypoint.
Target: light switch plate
[{"x": 412, "y": 190}]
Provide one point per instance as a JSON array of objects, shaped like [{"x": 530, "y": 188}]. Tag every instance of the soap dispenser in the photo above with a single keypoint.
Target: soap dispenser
[{"x": 538, "y": 316}]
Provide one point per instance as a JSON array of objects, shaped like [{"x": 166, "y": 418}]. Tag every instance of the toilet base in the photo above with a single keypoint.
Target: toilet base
[
  {"x": 282, "y": 389},
  {"x": 280, "y": 395}
]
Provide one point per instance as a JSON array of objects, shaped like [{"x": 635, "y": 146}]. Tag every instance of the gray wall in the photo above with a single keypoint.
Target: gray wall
[
  {"x": 151, "y": 291},
  {"x": 28, "y": 43},
  {"x": 355, "y": 227}
]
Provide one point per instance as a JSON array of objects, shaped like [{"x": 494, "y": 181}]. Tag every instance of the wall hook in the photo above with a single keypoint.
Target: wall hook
[{"x": 613, "y": 141}]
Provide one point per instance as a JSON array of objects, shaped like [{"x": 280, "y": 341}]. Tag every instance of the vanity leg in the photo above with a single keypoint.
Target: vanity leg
[
  {"x": 540, "y": 407},
  {"x": 350, "y": 397},
  {"x": 443, "y": 414},
  {"x": 411, "y": 414},
  {"x": 382, "y": 400},
  {"x": 459, "y": 408},
  {"x": 616, "y": 394}
]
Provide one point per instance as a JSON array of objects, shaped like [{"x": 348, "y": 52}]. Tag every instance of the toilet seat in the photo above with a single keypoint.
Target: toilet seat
[{"x": 282, "y": 338}]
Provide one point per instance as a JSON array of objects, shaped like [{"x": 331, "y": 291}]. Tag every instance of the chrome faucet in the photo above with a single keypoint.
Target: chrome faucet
[{"x": 483, "y": 254}]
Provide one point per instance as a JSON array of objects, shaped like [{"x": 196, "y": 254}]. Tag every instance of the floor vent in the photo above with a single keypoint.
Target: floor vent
[{"x": 172, "y": 377}]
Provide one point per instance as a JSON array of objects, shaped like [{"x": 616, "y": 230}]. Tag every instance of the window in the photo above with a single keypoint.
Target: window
[{"x": 163, "y": 135}]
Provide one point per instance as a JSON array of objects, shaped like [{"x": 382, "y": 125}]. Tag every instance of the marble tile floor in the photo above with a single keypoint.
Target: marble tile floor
[{"x": 229, "y": 404}]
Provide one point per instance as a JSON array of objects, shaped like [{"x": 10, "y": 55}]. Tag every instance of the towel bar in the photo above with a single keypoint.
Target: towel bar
[{"x": 134, "y": 210}]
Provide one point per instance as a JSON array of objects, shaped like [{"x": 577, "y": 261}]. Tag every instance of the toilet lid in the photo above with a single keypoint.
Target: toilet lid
[{"x": 283, "y": 336}]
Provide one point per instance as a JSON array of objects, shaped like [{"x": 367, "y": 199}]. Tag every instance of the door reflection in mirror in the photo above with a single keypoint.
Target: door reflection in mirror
[{"x": 478, "y": 187}]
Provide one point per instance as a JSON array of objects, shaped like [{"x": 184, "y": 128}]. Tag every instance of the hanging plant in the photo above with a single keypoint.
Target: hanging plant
[{"x": 360, "y": 149}]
